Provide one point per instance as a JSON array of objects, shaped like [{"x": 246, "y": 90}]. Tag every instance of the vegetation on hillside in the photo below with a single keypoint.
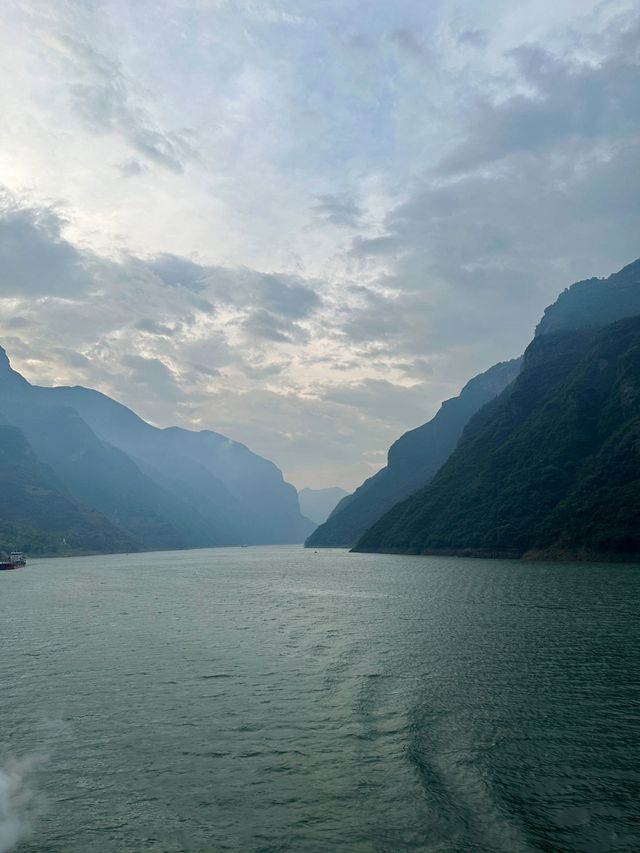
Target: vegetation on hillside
[
  {"x": 594, "y": 302},
  {"x": 38, "y": 515},
  {"x": 551, "y": 466},
  {"x": 413, "y": 460}
]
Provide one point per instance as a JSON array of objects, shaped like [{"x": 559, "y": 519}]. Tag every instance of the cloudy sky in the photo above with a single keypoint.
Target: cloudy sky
[{"x": 301, "y": 223}]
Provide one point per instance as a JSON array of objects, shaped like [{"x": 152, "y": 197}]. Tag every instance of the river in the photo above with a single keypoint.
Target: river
[{"x": 277, "y": 699}]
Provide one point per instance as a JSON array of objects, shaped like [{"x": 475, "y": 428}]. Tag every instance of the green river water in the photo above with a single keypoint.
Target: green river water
[{"x": 277, "y": 699}]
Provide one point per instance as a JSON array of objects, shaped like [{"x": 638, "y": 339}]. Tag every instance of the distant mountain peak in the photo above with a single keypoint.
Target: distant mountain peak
[
  {"x": 8, "y": 375},
  {"x": 160, "y": 488},
  {"x": 318, "y": 504},
  {"x": 5, "y": 364},
  {"x": 594, "y": 302}
]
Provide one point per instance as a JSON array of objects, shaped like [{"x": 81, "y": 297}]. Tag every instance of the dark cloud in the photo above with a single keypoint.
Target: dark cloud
[
  {"x": 203, "y": 370},
  {"x": 179, "y": 272},
  {"x": 212, "y": 351},
  {"x": 407, "y": 41},
  {"x": 17, "y": 322},
  {"x": 286, "y": 297},
  {"x": 340, "y": 210},
  {"x": 571, "y": 102},
  {"x": 386, "y": 244},
  {"x": 543, "y": 191},
  {"x": 419, "y": 368},
  {"x": 71, "y": 358},
  {"x": 152, "y": 373},
  {"x": 263, "y": 370},
  {"x": 271, "y": 327},
  {"x": 34, "y": 257},
  {"x": 272, "y": 303},
  {"x": 151, "y": 327},
  {"x": 474, "y": 38},
  {"x": 373, "y": 317}
]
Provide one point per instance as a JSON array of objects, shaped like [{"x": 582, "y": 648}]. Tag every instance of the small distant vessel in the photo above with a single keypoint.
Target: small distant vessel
[{"x": 16, "y": 561}]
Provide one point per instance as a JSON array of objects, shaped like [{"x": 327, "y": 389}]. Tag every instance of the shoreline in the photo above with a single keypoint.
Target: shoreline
[{"x": 531, "y": 555}]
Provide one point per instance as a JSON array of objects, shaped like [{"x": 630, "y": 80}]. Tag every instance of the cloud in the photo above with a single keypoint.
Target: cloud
[
  {"x": 150, "y": 326},
  {"x": 407, "y": 41},
  {"x": 152, "y": 373},
  {"x": 131, "y": 168},
  {"x": 373, "y": 316},
  {"x": 34, "y": 258},
  {"x": 232, "y": 216},
  {"x": 261, "y": 323},
  {"x": 541, "y": 190},
  {"x": 179, "y": 272},
  {"x": 340, "y": 210},
  {"x": 383, "y": 400},
  {"x": 474, "y": 38},
  {"x": 569, "y": 102},
  {"x": 287, "y": 297},
  {"x": 102, "y": 96}
]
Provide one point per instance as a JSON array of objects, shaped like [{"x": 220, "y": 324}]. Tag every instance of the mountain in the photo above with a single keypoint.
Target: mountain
[
  {"x": 38, "y": 515},
  {"x": 529, "y": 439},
  {"x": 412, "y": 460},
  {"x": 594, "y": 302},
  {"x": 317, "y": 504},
  {"x": 169, "y": 488},
  {"x": 550, "y": 468},
  {"x": 241, "y": 496}
]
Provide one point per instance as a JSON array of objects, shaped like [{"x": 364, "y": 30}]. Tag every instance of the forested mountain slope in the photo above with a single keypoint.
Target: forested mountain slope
[
  {"x": 550, "y": 467},
  {"x": 594, "y": 302},
  {"x": 38, "y": 515},
  {"x": 412, "y": 460}
]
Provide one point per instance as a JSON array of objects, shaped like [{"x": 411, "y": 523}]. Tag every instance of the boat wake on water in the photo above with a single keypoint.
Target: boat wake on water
[{"x": 17, "y": 801}]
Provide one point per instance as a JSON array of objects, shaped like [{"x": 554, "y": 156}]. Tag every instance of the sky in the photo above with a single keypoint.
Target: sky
[{"x": 304, "y": 224}]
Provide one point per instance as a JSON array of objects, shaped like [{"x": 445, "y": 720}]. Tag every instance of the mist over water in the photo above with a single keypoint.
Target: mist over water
[{"x": 274, "y": 699}]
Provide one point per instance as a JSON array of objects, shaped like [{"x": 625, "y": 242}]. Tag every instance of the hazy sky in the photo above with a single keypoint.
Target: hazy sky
[{"x": 305, "y": 223}]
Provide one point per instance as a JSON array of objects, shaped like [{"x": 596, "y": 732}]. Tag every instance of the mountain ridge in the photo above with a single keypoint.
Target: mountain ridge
[
  {"x": 38, "y": 514},
  {"x": 412, "y": 460},
  {"x": 319, "y": 504},
  {"x": 549, "y": 468},
  {"x": 163, "y": 488}
]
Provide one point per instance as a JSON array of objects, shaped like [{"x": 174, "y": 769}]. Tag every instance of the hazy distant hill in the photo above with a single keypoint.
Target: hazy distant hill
[
  {"x": 553, "y": 464},
  {"x": 317, "y": 504},
  {"x": 412, "y": 460},
  {"x": 38, "y": 515},
  {"x": 168, "y": 488},
  {"x": 242, "y": 497}
]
